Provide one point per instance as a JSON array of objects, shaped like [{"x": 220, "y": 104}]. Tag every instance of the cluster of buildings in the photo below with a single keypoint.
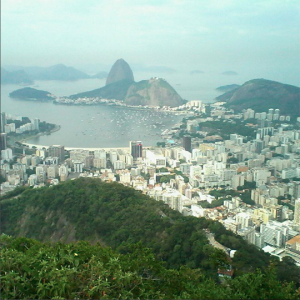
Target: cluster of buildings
[
  {"x": 11, "y": 126},
  {"x": 184, "y": 176},
  {"x": 194, "y": 105}
]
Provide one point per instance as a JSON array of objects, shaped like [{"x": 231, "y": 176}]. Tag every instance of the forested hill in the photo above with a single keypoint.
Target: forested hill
[
  {"x": 118, "y": 216},
  {"x": 262, "y": 94},
  {"x": 29, "y": 93}
]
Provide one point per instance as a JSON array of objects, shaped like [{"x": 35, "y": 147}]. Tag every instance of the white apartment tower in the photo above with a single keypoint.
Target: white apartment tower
[{"x": 297, "y": 212}]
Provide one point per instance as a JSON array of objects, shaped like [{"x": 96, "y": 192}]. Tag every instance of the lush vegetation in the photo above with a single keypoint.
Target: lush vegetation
[
  {"x": 261, "y": 94},
  {"x": 214, "y": 203},
  {"x": 118, "y": 216},
  {"x": 225, "y": 128},
  {"x": 225, "y": 194},
  {"x": 116, "y": 90},
  {"x": 34, "y": 270},
  {"x": 31, "y": 94}
]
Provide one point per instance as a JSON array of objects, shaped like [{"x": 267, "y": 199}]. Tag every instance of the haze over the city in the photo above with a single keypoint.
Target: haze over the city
[{"x": 230, "y": 38}]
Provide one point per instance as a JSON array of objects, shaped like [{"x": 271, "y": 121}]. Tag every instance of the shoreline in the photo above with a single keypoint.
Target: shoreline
[
  {"x": 179, "y": 112},
  {"x": 56, "y": 128},
  {"x": 85, "y": 148},
  {"x": 23, "y": 140}
]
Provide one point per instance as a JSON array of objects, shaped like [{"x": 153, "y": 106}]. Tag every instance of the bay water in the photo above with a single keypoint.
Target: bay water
[{"x": 95, "y": 126}]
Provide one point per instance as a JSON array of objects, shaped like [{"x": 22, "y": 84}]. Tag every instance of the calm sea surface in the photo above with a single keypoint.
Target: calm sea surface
[{"x": 91, "y": 126}]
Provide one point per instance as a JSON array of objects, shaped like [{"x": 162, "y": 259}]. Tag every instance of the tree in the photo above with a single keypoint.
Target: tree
[
  {"x": 161, "y": 144},
  {"x": 232, "y": 160},
  {"x": 186, "y": 179},
  {"x": 164, "y": 179}
]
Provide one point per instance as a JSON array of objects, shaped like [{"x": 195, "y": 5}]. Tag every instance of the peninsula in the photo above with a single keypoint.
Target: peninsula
[
  {"x": 120, "y": 85},
  {"x": 262, "y": 94}
]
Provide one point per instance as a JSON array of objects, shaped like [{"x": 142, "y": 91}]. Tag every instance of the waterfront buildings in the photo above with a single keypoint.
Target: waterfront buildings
[{"x": 136, "y": 149}]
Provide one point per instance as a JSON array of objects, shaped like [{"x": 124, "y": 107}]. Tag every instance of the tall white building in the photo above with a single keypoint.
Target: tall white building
[
  {"x": 244, "y": 220},
  {"x": 52, "y": 171},
  {"x": 297, "y": 212},
  {"x": 40, "y": 172},
  {"x": 113, "y": 155},
  {"x": 6, "y": 154},
  {"x": 100, "y": 154},
  {"x": 36, "y": 124},
  {"x": 129, "y": 160},
  {"x": 78, "y": 166},
  {"x": 274, "y": 233},
  {"x": 119, "y": 165},
  {"x": 63, "y": 172}
]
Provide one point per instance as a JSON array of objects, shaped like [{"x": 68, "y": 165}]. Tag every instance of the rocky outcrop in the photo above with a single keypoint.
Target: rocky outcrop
[
  {"x": 119, "y": 71},
  {"x": 120, "y": 85},
  {"x": 153, "y": 92}
]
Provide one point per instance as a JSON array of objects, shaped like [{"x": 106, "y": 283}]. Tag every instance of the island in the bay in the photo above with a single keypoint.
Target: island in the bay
[{"x": 29, "y": 93}]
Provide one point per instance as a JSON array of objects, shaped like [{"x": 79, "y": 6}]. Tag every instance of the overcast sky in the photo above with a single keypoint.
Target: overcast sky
[{"x": 260, "y": 37}]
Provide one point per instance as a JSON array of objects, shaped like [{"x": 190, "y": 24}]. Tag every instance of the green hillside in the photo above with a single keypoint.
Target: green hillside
[
  {"x": 262, "y": 94},
  {"x": 118, "y": 216},
  {"x": 116, "y": 90}
]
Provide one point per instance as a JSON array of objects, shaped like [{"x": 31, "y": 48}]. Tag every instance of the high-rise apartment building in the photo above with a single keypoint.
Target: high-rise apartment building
[
  {"x": 187, "y": 143},
  {"x": 3, "y": 121},
  {"x": 57, "y": 151},
  {"x": 136, "y": 149},
  {"x": 36, "y": 123},
  {"x": 297, "y": 212},
  {"x": 3, "y": 141}
]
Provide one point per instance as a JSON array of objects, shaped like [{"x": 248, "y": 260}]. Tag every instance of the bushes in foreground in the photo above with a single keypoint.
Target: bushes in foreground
[{"x": 35, "y": 270}]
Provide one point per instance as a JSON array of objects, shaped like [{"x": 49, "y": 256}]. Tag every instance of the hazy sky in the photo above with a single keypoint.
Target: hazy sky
[{"x": 260, "y": 37}]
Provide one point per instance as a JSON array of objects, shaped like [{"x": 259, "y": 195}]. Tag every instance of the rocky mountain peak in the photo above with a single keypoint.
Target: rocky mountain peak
[{"x": 119, "y": 71}]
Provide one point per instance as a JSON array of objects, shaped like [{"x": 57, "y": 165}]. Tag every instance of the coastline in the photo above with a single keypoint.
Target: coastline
[
  {"x": 126, "y": 149},
  {"x": 178, "y": 112},
  {"x": 23, "y": 140}
]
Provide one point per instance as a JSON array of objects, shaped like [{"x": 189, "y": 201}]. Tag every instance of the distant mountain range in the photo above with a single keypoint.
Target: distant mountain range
[
  {"x": 120, "y": 85},
  {"x": 15, "y": 77},
  {"x": 227, "y": 88},
  {"x": 26, "y": 75},
  {"x": 262, "y": 94}
]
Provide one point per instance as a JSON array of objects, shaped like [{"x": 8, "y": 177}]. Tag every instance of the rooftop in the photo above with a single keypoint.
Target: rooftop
[{"x": 294, "y": 240}]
